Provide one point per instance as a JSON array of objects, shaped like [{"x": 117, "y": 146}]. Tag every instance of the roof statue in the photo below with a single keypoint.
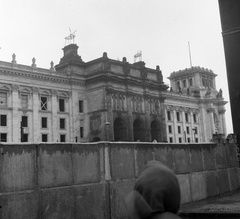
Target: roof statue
[
  {"x": 70, "y": 38},
  {"x": 138, "y": 55}
]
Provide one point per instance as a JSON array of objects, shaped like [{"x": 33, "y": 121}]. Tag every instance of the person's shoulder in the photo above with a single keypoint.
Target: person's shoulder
[{"x": 166, "y": 215}]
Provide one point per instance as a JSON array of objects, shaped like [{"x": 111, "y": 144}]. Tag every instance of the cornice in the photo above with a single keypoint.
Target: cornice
[
  {"x": 181, "y": 108},
  {"x": 191, "y": 71},
  {"x": 183, "y": 97},
  {"x": 111, "y": 77},
  {"x": 35, "y": 75}
]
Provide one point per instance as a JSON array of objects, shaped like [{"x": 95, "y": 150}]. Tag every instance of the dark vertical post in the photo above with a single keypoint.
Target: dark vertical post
[
  {"x": 21, "y": 131},
  {"x": 230, "y": 20}
]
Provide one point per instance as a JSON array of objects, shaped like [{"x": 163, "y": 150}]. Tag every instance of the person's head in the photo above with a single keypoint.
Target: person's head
[{"x": 156, "y": 191}]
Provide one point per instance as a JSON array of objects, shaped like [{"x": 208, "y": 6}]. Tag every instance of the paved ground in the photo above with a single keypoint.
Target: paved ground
[{"x": 227, "y": 206}]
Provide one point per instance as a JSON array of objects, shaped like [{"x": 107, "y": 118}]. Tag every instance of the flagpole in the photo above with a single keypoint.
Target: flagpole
[{"x": 189, "y": 51}]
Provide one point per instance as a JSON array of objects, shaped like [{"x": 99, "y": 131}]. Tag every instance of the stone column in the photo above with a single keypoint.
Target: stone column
[
  {"x": 223, "y": 121},
  {"x": 163, "y": 122},
  {"x": 55, "y": 128},
  {"x": 109, "y": 128},
  {"x": 71, "y": 132},
  {"x": 191, "y": 128},
  {"x": 175, "y": 130},
  {"x": 147, "y": 121},
  {"x": 202, "y": 124},
  {"x": 16, "y": 134},
  {"x": 184, "y": 127},
  {"x": 130, "y": 119},
  {"x": 36, "y": 119},
  {"x": 212, "y": 125}
]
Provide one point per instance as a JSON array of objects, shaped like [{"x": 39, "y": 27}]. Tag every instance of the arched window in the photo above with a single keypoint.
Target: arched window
[
  {"x": 155, "y": 131},
  {"x": 120, "y": 130},
  {"x": 138, "y": 130}
]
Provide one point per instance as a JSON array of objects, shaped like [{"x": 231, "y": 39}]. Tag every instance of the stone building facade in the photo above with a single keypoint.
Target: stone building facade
[
  {"x": 106, "y": 99},
  {"x": 194, "y": 108},
  {"x": 78, "y": 101}
]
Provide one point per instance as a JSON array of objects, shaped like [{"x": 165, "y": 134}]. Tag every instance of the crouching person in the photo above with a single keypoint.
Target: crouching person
[{"x": 156, "y": 194}]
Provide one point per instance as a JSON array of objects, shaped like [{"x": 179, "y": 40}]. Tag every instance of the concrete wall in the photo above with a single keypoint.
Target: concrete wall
[{"x": 90, "y": 180}]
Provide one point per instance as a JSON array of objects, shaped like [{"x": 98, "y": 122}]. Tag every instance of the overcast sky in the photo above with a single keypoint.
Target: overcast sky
[{"x": 161, "y": 29}]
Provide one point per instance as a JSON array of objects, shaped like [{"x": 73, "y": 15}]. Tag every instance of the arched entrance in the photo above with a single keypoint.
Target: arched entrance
[
  {"x": 120, "y": 130},
  {"x": 138, "y": 130},
  {"x": 155, "y": 131}
]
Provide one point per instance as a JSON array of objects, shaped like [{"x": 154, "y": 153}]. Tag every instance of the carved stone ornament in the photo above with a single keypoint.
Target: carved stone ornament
[
  {"x": 210, "y": 110},
  {"x": 35, "y": 90},
  {"x": 107, "y": 65},
  {"x": 54, "y": 92},
  {"x": 15, "y": 87},
  {"x": 126, "y": 69}
]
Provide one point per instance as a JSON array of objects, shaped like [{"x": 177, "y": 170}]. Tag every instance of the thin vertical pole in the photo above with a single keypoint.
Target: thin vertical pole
[{"x": 189, "y": 50}]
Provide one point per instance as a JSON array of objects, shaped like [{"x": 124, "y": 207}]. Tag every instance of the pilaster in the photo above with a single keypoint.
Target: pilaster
[
  {"x": 16, "y": 134},
  {"x": 36, "y": 119},
  {"x": 55, "y": 128}
]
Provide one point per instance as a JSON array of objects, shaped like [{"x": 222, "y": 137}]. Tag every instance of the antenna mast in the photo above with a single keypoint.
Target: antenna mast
[{"x": 189, "y": 51}]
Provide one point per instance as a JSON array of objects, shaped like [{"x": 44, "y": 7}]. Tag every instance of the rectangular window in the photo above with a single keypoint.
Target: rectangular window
[
  {"x": 180, "y": 140},
  {"x": 194, "y": 118},
  {"x": 179, "y": 129},
  {"x": 24, "y": 138},
  {"x": 62, "y": 138},
  {"x": 44, "y": 122},
  {"x": 24, "y": 121},
  {"x": 189, "y": 140},
  {"x": 178, "y": 116},
  {"x": 196, "y": 140},
  {"x": 169, "y": 115},
  {"x": 196, "y": 130},
  {"x": 44, "y": 105},
  {"x": 187, "y": 130},
  {"x": 186, "y": 117},
  {"x": 44, "y": 137},
  {"x": 3, "y": 120},
  {"x": 62, "y": 123},
  {"x": 3, "y": 137},
  {"x": 170, "y": 129},
  {"x": 3, "y": 99},
  {"x": 81, "y": 132},
  {"x": 170, "y": 140},
  {"x": 24, "y": 101},
  {"x": 80, "y": 106},
  {"x": 62, "y": 105}
]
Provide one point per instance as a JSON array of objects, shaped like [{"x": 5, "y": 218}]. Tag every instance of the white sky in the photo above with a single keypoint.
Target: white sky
[{"x": 161, "y": 29}]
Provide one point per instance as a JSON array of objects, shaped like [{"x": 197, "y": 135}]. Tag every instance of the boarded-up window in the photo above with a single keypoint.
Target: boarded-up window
[
  {"x": 24, "y": 101},
  {"x": 3, "y": 99},
  {"x": 44, "y": 103}
]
